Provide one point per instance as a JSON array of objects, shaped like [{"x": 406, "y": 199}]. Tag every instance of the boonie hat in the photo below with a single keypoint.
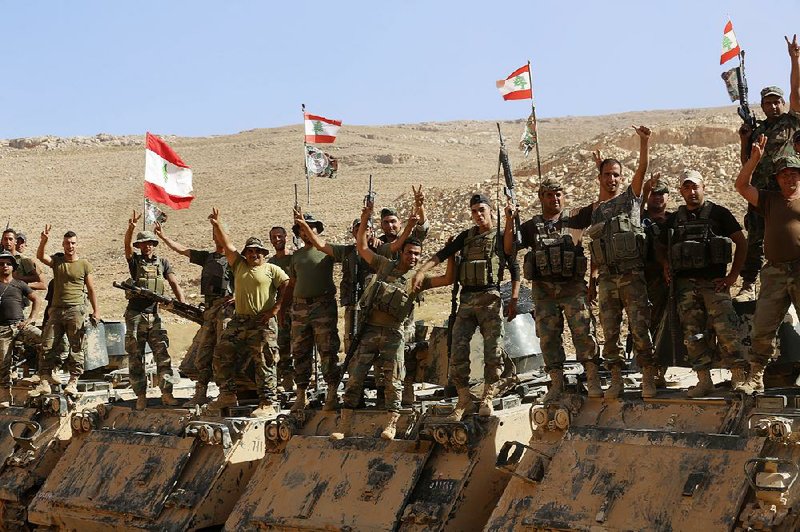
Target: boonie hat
[
  {"x": 660, "y": 188},
  {"x": 692, "y": 176},
  {"x": 145, "y": 236},
  {"x": 255, "y": 242},
  {"x": 783, "y": 163},
  {"x": 772, "y": 90},
  {"x": 9, "y": 257}
]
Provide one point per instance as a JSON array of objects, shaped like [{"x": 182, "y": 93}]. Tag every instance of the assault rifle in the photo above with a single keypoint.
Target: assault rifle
[
  {"x": 674, "y": 322},
  {"x": 745, "y": 113},
  {"x": 451, "y": 319},
  {"x": 296, "y": 240},
  {"x": 370, "y": 197},
  {"x": 508, "y": 189},
  {"x": 184, "y": 310}
]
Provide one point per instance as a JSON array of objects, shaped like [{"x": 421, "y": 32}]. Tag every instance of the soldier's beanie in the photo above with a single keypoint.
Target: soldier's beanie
[
  {"x": 771, "y": 91},
  {"x": 552, "y": 184},
  {"x": 386, "y": 211},
  {"x": 660, "y": 188},
  {"x": 479, "y": 198},
  {"x": 793, "y": 161},
  {"x": 693, "y": 176}
]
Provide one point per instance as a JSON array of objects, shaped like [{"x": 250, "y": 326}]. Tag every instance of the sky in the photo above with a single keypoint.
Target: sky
[{"x": 196, "y": 68}]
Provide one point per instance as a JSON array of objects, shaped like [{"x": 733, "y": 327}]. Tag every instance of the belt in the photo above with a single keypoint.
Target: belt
[{"x": 309, "y": 300}]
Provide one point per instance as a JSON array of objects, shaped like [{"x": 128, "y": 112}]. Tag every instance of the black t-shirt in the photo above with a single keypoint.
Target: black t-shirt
[
  {"x": 12, "y": 298},
  {"x": 216, "y": 279},
  {"x": 723, "y": 223},
  {"x": 140, "y": 304}
]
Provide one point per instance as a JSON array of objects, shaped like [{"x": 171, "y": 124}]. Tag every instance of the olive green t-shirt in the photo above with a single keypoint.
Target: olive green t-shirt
[
  {"x": 781, "y": 226},
  {"x": 312, "y": 271},
  {"x": 282, "y": 262},
  {"x": 254, "y": 288},
  {"x": 69, "y": 281}
]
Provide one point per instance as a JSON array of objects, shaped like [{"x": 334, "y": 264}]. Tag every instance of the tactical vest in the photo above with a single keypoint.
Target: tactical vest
[
  {"x": 480, "y": 264},
  {"x": 618, "y": 244},
  {"x": 149, "y": 275},
  {"x": 214, "y": 277},
  {"x": 387, "y": 294},
  {"x": 694, "y": 244},
  {"x": 554, "y": 256}
]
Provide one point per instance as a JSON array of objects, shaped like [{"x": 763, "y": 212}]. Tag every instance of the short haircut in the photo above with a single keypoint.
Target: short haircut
[
  {"x": 9, "y": 230},
  {"x": 411, "y": 242},
  {"x": 387, "y": 212},
  {"x": 604, "y": 162},
  {"x": 278, "y": 228},
  {"x": 69, "y": 234}
]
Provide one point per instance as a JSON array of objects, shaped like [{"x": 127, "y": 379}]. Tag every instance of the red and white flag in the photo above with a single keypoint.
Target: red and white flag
[
  {"x": 517, "y": 86},
  {"x": 167, "y": 179},
  {"x": 320, "y": 130},
  {"x": 730, "y": 46}
]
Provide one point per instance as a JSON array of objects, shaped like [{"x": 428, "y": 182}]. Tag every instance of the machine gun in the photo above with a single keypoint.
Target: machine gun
[
  {"x": 745, "y": 113},
  {"x": 184, "y": 310},
  {"x": 508, "y": 189}
]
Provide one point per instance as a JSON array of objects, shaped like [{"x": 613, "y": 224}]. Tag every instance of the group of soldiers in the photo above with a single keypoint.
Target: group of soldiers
[{"x": 278, "y": 311}]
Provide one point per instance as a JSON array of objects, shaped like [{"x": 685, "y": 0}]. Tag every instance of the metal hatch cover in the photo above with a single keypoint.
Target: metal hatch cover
[
  {"x": 355, "y": 483},
  {"x": 122, "y": 473},
  {"x": 618, "y": 479}
]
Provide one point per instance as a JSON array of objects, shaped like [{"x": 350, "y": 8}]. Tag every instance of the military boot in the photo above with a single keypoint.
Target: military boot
[
  {"x": 5, "y": 397},
  {"x": 265, "y": 409},
  {"x": 556, "y": 386},
  {"x": 615, "y": 389},
  {"x": 223, "y": 400},
  {"x": 44, "y": 387},
  {"x": 287, "y": 383},
  {"x": 141, "y": 402},
  {"x": 200, "y": 396},
  {"x": 408, "y": 394},
  {"x": 660, "y": 379},
  {"x": 72, "y": 386},
  {"x": 738, "y": 377},
  {"x": 331, "y": 399},
  {"x": 648, "y": 381},
  {"x": 463, "y": 406},
  {"x": 167, "y": 399},
  {"x": 486, "y": 408},
  {"x": 755, "y": 380},
  {"x": 380, "y": 398},
  {"x": 593, "y": 386},
  {"x": 300, "y": 401},
  {"x": 345, "y": 424},
  {"x": 704, "y": 384},
  {"x": 390, "y": 429}
]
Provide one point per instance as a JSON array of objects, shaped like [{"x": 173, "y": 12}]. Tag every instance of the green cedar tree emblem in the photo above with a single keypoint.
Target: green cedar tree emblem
[
  {"x": 520, "y": 82},
  {"x": 318, "y": 130},
  {"x": 726, "y": 43},
  {"x": 164, "y": 170}
]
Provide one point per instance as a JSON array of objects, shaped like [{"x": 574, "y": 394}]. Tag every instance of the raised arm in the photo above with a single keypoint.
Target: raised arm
[
  {"x": 419, "y": 204},
  {"x": 129, "y": 235},
  {"x": 316, "y": 240},
  {"x": 171, "y": 244},
  {"x": 42, "y": 244},
  {"x": 89, "y": 281},
  {"x": 648, "y": 187},
  {"x": 794, "y": 76},
  {"x": 638, "y": 177},
  {"x": 221, "y": 238},
  {"x": 448, "y": 277},
  {"x": 176, "y": 289},
  {"x": 362, "y": 245},
  {"x": 412, "y": 223},
  {"x": 743, "y": 186}
]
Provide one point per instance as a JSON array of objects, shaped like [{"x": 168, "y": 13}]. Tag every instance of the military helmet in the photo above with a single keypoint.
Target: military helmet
[
  {"x": 9, "y": 257},
  {"x": 145, "y": 236},
  {"x": 257, "y": 243}
]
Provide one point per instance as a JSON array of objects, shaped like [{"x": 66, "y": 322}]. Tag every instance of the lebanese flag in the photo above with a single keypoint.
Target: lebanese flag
[
  {"x": 320, "y": 130},
  {"x": 167, "y": 179},
  {"x": 517, "y": 86},
  {"x": 730, "y": 46}
]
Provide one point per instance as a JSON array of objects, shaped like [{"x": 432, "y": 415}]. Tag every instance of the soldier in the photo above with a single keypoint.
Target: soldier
[
  {"x": 387, "y": 302},
  {"x": 253, "y": 331},
  {"x": 72, "y": 282},
  {"x": 778, "y": 127},
  {"x": 482, "y": 261},
  {"x": 22, "y": 242},
  {"x": 314, "y": 315},
  {"x": 617, "y": 250},
  {"x": 781, "y": 275},
  {"x": 13, "y": 324},
  {"x": 142, "y": 321},
  {"x": 699, "y": 258},
  {"x": 390, "y": 223},
  {"x": 27, "y": 270},
  {"x": 215, "y": 287},
  {"x": 557, "y": 268},
  {"x": 283, "y": 260}
]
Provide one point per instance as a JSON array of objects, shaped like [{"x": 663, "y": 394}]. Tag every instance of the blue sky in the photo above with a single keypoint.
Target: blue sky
[{"x": 201, "y": 67}]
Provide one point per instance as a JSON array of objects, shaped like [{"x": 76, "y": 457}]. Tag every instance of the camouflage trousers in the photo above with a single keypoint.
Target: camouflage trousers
[
  {"x": 754, "y": 224},
  {"x": 64, "y": 320},
  {"x": 9, "y": 335},
  {"x": 780, "y": 287},
  {"x": 285, "y": 365},
  {"x": 618, "y": 292},
  {"x": 552, "y": 302},
  {"x": 143, "y": 329},
  {"x": 482, "y": 310},
  {"x": 701, "y": 308},
  {"x": 314, "y": 323},
  {"x": 383, "y": 347},
  {"x": 246, "y": 336},
  {"x": 215, "y": 319}
]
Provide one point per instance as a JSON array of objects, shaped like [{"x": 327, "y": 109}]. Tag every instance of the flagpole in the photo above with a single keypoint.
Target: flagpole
[
  {"x": 305, "y": 158},
  {"x": 535, "y": 125}
]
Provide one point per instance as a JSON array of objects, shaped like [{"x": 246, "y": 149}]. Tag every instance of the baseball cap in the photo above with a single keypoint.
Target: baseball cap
[
  {"x": 552, "y": 184},
  {"x": 772, "y": 90},
  {"x": 692, "y": 176}
]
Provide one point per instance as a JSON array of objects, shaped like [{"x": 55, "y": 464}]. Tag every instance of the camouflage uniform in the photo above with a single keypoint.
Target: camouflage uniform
[
  {"x": 354, "y": 271},
  {"x": 247, "y": 337},
  {"x": 11, "y": 298},
  {"x": 314, "y": 323},
  {"x": 285, "y": 367},
  {"x": 780, "y": 287}
]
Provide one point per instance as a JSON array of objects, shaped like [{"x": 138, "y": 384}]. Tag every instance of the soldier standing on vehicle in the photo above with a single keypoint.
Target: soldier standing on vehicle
[
  {"x": 556, "y": 266},
  {"x": 617, "y": 250},
  {"x": 142, "y": 321},
  {"x": 13, "y": 324},
  {"x": 283, "y": 260},
  {"x": 704, "y": 234},
  {"x": 780, "y": 277},
  {"x": 314, "y": 315},
  {"x": 390, "y": 224},
  {"x": 778, "y": 127},
  {"x": 387, "y": 301},
  {"x": 215, "y": 287},
  {"x": 27, "y": 270},
  {"x": 253, "y": 331},
  {"x": 72, "y": 282},
  {"x": 482, "y": 261},
  {"x": 22, "y": 242}
]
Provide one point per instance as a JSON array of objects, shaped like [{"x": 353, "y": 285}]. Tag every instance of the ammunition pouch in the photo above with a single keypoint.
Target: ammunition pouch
[
  {"x": 149, "y": 275},
  {"x": 480, "y": 265},
  {"x": 621, "y": 245},
  {"x": 391, "y": 299},
  {"x": 554, "y": 259},
  {"x": 696, "y": 246}
]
